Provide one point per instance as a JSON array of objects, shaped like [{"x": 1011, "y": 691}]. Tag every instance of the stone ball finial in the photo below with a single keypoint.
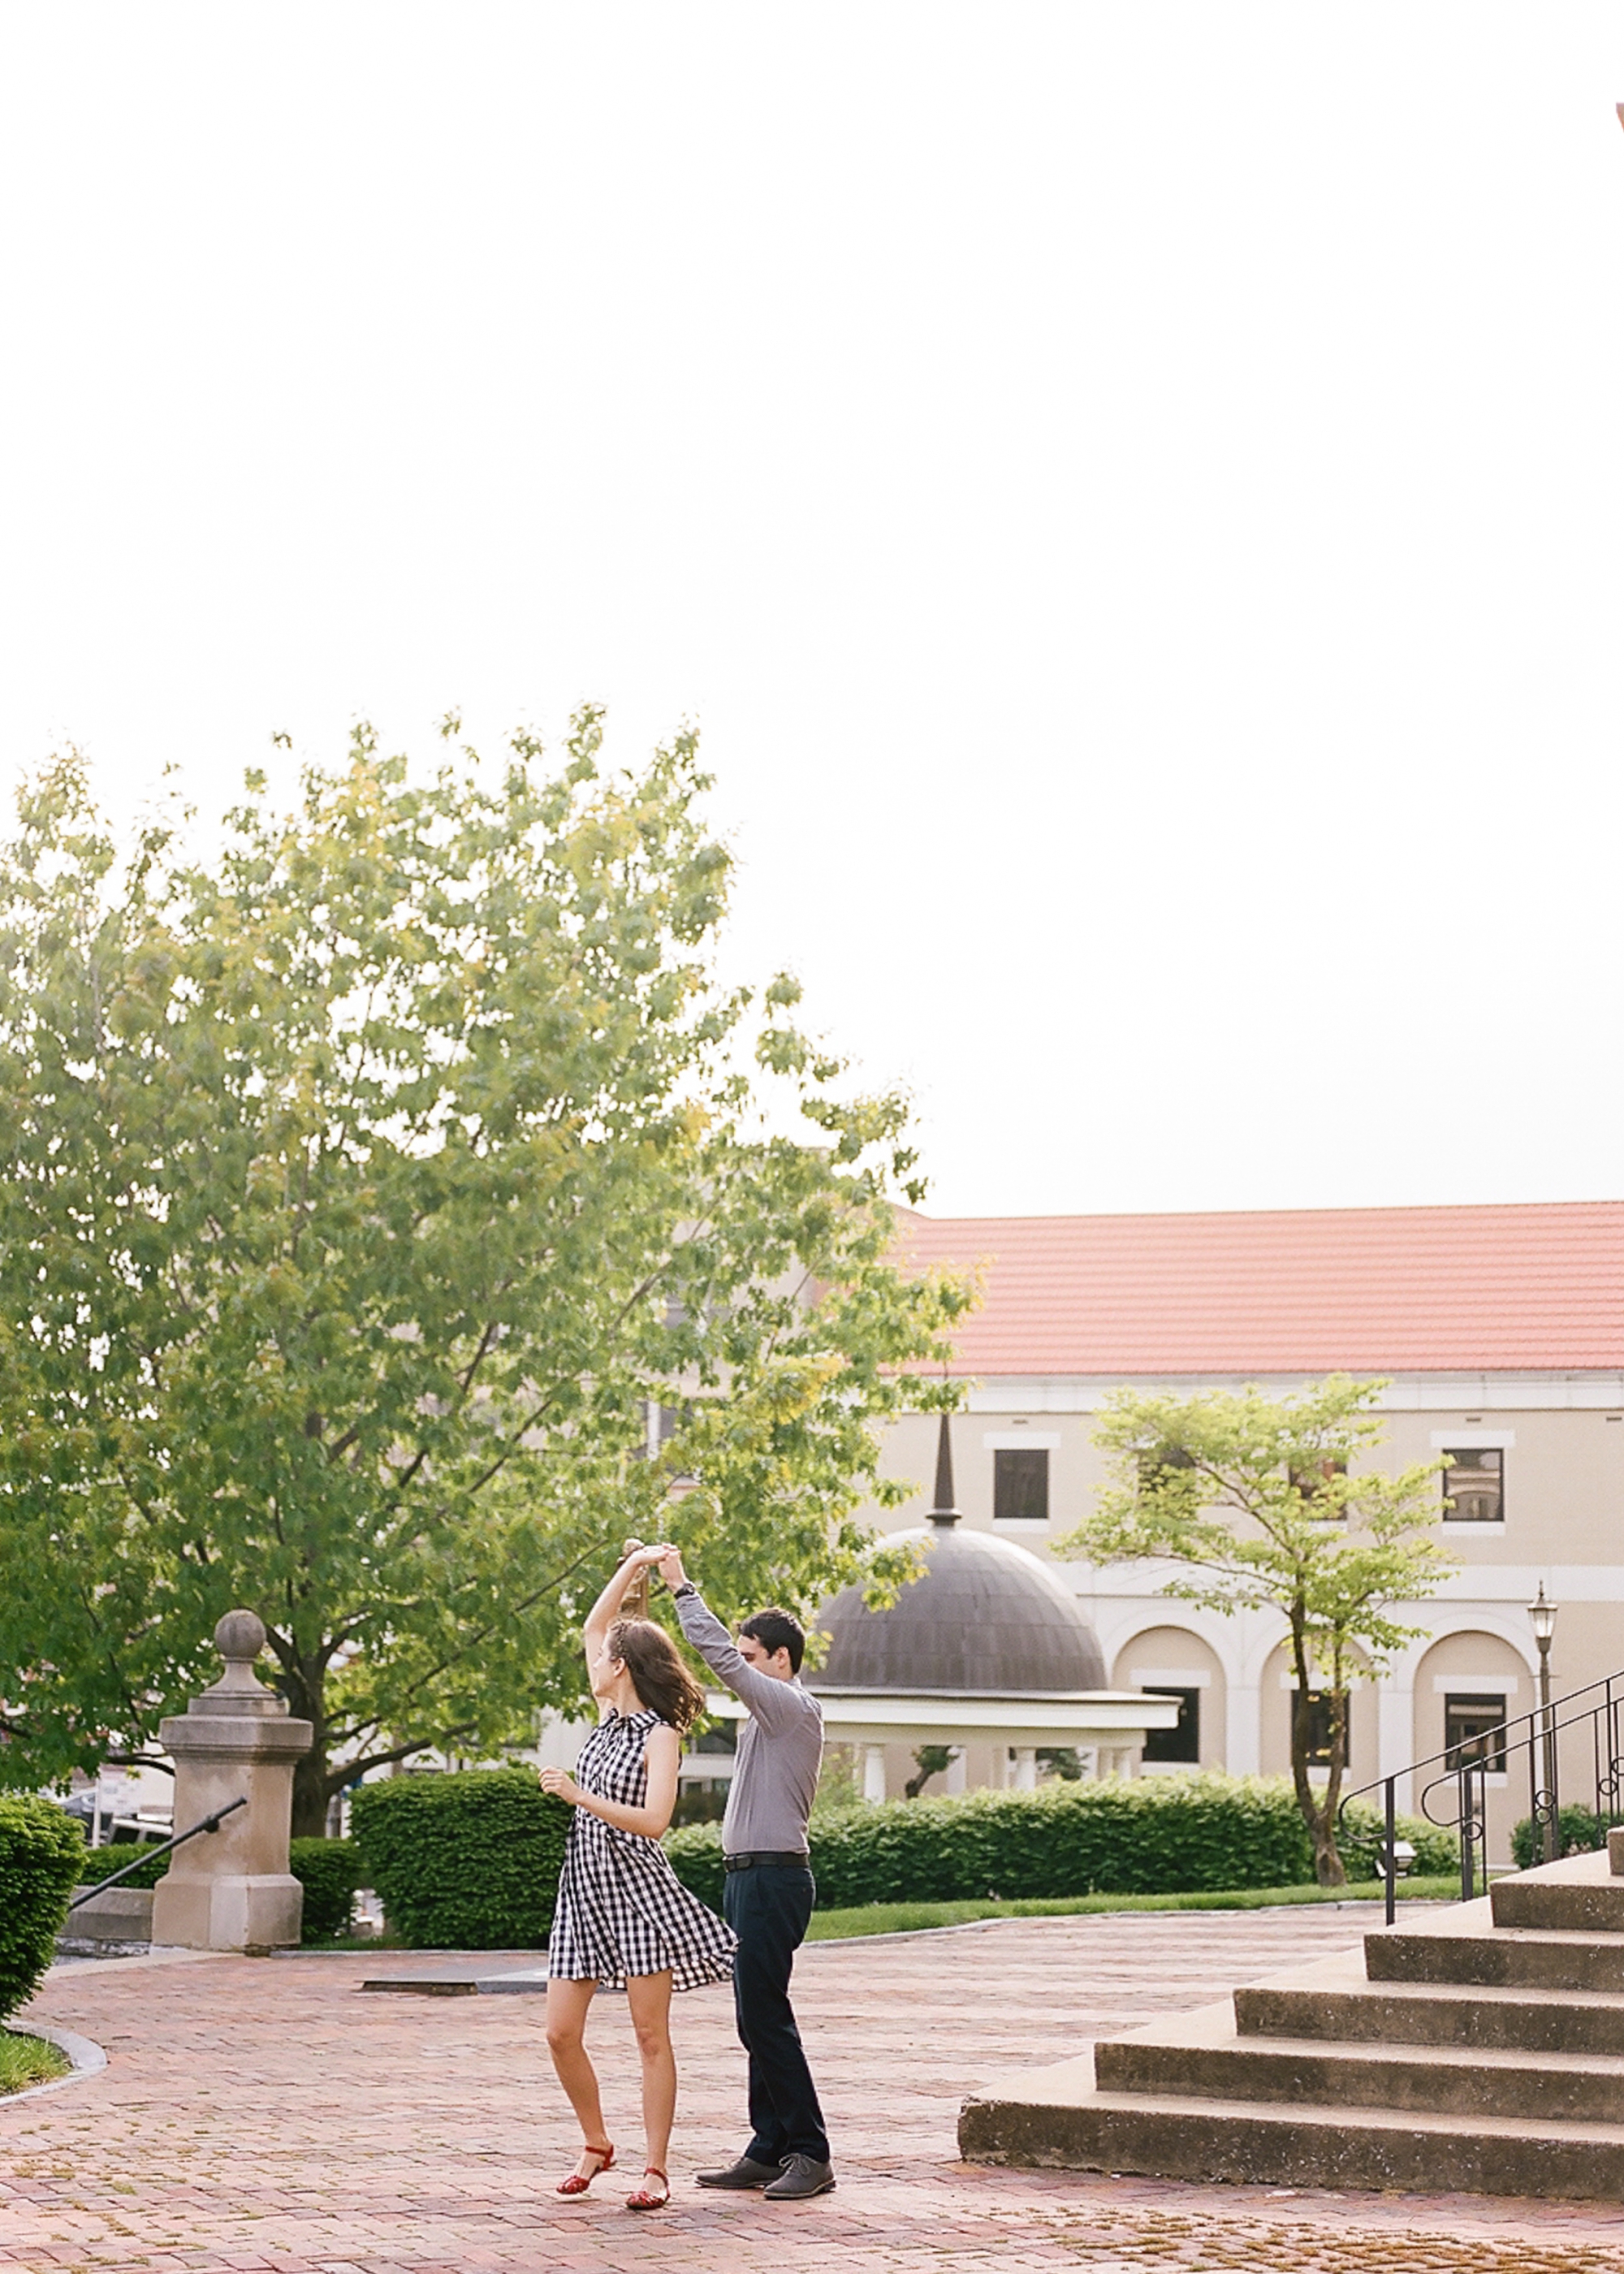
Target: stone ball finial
[{"x": 240, "y": 1637}]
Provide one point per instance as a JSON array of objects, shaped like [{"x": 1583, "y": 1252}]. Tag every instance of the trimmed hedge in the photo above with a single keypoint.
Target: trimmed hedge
[
  {"x": 101, "y": 1863},
  {"x": 1122, "y": 1836},
  {"x": 1579, "y": 1830},
  {"x": 1438, "y": 1850},
  {"x": 468, "y": 1860},
  {"x": 329, "y": 1871},
  {"x": 42, "y": 1853}
]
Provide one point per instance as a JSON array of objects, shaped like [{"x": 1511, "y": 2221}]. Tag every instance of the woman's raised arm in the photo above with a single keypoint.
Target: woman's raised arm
[{"x": 607, "y": 1608}]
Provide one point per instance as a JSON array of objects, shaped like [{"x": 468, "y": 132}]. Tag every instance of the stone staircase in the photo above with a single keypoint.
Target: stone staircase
[{"x": 1478, "y": 2048}]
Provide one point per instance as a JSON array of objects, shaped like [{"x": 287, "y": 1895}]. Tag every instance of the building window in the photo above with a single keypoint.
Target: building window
[
  {"x": 1020, "y": 1486},
  {"x": 1312, "y": 1483},
  {"x": 1315, "y": 1707},
  {"x": 1473, "y": 1484},
  {"x": 1155, "y": 1462},
  {"x": 701, "y": 1801},
  {"x": 1182, "y": 1741},
  {"x": 1467, "y": 1722}
]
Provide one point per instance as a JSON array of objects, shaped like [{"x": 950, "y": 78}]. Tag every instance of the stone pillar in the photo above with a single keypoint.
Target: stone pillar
[
  {"x": 873, "y": 1773},
  {"x": 231, "y": 1889},
  {"x": 1023, "y": 1769}
]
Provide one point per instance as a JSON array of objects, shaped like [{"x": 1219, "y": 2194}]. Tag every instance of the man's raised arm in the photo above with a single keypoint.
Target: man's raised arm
[{"x": 775, "y": 1705}]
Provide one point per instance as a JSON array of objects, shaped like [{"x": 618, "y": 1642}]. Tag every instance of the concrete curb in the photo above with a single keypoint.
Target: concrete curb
[
  {"x": 1070, "y": 1918},
  {"x": 86, "y": 2056}
]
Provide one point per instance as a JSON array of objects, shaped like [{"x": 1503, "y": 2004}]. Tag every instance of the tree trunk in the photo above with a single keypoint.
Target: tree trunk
[
  {"x": 1319, "y": 1809},
  {"x": 303, "y": 1685},
  {"x": 310, "y": 1794}
]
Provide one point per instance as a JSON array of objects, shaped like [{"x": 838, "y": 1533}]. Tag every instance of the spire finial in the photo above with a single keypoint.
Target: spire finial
[{"x": 945, "y": 1512}]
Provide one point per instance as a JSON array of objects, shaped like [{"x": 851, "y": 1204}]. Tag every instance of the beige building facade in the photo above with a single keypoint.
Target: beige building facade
[{"x": 1533, "y": 1497}]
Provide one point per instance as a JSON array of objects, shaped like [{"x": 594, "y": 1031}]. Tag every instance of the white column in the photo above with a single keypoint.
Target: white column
[
  {"x": 956, "y": 1773},
  {"x": 1024, "y": 1776},
  {"x": 1395, "y": 1736},
  {"x": 1243, "y": 1735},
  {"x": 873, "y": 1773}
]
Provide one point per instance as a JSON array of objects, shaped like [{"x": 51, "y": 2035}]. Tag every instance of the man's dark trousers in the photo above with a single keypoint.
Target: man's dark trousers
[{"x": 768, "y": 1908}]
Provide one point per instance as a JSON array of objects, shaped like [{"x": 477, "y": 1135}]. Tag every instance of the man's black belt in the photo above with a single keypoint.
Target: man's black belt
[{"x": 752, "y": 1860}]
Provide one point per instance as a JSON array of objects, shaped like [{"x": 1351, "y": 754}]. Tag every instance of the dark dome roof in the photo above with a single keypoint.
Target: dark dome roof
[{"x": 986, "y": 1619}]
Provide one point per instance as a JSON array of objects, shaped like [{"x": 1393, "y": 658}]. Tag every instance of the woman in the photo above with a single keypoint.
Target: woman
[{"x": 624, "y": 1918}]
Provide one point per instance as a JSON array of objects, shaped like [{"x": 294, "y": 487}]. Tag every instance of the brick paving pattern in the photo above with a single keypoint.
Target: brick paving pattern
[{"x": 262, "y": 2114}]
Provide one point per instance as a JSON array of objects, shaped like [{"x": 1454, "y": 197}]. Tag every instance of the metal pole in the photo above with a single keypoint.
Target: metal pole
[
  {"x": 1548, "y": 1752},
  {"x": 1392, "y": 1857},
  {"x": 1468, "y": 1869}
]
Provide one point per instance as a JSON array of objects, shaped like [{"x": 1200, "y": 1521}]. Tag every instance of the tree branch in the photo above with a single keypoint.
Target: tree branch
[{"x": 338, "y": 1777}]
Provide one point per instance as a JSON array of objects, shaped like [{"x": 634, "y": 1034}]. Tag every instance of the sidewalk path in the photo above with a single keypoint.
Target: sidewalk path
[{"x": 263, "y": 2114}]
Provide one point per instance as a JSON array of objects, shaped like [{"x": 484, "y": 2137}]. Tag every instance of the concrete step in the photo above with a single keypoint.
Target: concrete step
[
  {"x": 114, "y": 1923},
  {"x": 1577, "y": 1895},
  {"x": 1479, "y": 2049},
  {"x": 1056, "y": 2117},
  {"x": 1202, "y": 2055},
  {"x": 1334, "y": 2001},
  {"x": 1463, "y": 1945}
]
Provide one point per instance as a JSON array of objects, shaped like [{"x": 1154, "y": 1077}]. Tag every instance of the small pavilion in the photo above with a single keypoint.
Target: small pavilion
[{"x": 988, "y": 1652}]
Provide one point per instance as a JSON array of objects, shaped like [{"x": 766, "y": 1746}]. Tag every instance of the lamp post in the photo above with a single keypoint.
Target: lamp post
[{"x": 1542, "y": 1618}]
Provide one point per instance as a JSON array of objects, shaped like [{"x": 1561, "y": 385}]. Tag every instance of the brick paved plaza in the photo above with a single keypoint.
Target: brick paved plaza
[{"x": 263, "y": 2114}]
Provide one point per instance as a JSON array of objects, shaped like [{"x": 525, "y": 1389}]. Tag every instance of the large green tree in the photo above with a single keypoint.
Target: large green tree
[
  {"x": 1274, "y": 1504},
  {"x": 367, "y": 1185}
]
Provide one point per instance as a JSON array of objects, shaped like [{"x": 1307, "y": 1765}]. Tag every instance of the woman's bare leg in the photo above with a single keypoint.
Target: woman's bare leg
[
  {"x": 649, "y": 1997},
  {"x": 567, "y": 2006}
]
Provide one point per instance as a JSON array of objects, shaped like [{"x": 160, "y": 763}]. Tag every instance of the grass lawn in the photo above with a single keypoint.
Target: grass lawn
[
  {"x": 904, "y": 1918},
  {"x": 28, "y": 2061}
]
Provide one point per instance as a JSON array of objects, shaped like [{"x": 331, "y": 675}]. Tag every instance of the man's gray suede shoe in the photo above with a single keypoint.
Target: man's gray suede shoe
[
  {"x": 803, "y": 2176},
  {"x": 745, "y": 2173}
]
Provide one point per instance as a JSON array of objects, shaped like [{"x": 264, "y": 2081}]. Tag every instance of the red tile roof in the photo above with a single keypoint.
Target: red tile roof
[{"x": 1535, "y": 1289}]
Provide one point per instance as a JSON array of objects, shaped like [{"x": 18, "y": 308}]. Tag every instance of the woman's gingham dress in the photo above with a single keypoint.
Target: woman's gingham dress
[{"x": 621, "y": 1908}]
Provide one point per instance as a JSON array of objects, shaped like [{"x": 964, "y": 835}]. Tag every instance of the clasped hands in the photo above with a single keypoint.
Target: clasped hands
[{"x": 668, "y": 1559}]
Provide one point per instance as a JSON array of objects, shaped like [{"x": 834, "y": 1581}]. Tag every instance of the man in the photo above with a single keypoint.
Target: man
[{"x": 767, "y": 1896}]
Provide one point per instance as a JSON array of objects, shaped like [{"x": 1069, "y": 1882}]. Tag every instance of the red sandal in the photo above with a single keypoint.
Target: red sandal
[
  {"x": 645, "y": 2199},
  {"x": 577, "y": 2184}
]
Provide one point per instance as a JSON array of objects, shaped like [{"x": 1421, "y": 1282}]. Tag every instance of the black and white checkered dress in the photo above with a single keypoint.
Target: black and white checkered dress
[{"x": 621, "y": 1908}]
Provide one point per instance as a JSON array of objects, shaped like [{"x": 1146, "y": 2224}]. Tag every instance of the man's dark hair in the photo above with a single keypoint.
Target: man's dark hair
[{"x": 776, "y": 1631}]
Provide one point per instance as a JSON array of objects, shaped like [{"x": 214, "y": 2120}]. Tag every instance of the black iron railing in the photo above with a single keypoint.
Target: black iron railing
[
  {"x": 151, "y": 1855},
  {"x": 1465, "y": 1770}
]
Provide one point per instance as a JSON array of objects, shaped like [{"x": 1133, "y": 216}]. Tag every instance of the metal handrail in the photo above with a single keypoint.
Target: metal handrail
[
  {"x": 1467, "y": 1765},
  {"x": 151, "y": 1855}
]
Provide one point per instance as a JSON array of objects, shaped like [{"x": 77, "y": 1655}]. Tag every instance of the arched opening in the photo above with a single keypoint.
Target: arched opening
[
  {"x": 1466, "y": 1683},
  {"x": 1172, "y": 1661},
  {"x": 1279, "y": 1702}
]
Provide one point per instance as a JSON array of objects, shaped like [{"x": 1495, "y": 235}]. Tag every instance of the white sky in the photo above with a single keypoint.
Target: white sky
[{"x": 1132, "y": 495}]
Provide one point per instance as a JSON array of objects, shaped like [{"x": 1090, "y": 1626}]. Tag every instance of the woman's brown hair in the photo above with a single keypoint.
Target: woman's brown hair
[{"x": 659, "y": 1675}]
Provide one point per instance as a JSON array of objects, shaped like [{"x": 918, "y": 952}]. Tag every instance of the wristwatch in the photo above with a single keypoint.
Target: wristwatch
[{"x": 687, "y": 1588}]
